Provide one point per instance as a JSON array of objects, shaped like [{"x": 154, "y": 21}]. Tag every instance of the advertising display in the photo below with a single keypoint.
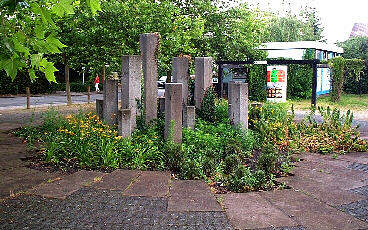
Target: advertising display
[{"x": 276, "y": 83}]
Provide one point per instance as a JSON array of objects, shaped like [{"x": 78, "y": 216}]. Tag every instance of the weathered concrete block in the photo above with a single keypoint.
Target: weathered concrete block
[
  {"x": 161, "y": 104},
  {"x": 126, "y": 123},
  {"x": 131, "y": 85},
  {"x": 173, "y": 111},
  {"x": 149, "y": 47},
  {"x": 189, "y": 117},
  {"x": 110, "y": 102},
  {"x": 229, "y": 97},
  {"x": 99, "y": 108},
  {"x": 239, "y": 104},
  {"x": 180, "y": 74},
  {"x": 203, "y": 78}
]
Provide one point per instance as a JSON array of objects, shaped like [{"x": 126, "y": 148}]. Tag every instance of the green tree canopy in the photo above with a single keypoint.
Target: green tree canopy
[
  {"x": 290, "y": 28},
  {"x": 29, "y": 34},
  {"x": 356, "y": 47}
]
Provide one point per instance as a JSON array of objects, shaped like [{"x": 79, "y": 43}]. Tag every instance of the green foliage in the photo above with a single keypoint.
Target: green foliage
[
  {"x": 291, "y": 28},
  {"x": 207, "y": 111},
  {"x": 257, "y": 83},
  {"x": 350, "y": 69},
  {"x": 338, "y": 65},
  {"x": 355, "y": 48},
  {"x": 29, "y": 35},
  {"x": 335, "y": 134},
  {"x": 299, "y": 81},
  {"x": 268, "y": 159},
  {"x": 217, "y": 152}
]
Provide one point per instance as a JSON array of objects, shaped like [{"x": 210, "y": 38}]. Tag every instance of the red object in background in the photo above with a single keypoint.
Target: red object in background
[
  {"x": 97, "y": 79},
  {"x": 281, "y": 76},
  {"x": 268, "y": 76}
]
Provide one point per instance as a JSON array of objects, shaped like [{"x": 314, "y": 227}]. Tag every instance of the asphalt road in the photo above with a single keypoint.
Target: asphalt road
[{"x": 18, "y": 102}]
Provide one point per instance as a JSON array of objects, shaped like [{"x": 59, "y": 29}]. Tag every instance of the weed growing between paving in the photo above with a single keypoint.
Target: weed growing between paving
[{"x": 226, "y": 157}]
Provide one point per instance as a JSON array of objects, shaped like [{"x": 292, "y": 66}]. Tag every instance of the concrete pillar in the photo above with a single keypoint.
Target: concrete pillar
[
  {"x": 229, "y": 97},
  {"x": 239, "y": 104},
  {"x": 110, "y": 102},
  {"x": 161, "y": 104},
  {"x": 149, "y": 48},
  {"x": 125, "y": 126},
  {"x": 131, "y": 85},
  {"x": 189, "y": 117},
  {"x": 180, "y": 74},
  {"x": 99, "y": 108},
  {"x": 203, "y": 78},
  {"x": 173, "y": 111}
]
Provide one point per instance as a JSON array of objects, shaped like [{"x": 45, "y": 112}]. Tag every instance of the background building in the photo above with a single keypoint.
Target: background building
[
  {"x": 359, "y": 29},
  {"x": 300, "y": 50}
]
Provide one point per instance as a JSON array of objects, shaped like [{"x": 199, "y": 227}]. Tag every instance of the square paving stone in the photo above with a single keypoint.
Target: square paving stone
[
  {"x": 321, "y": 159},
  {"x": 117, "y": 180},
  {"x": 150, "y": 184},
  {"x": 358, "y": 157},
  {"x": 191, "y": 195},
  {"x": 344, "y": 183},
  {"x": 251, "y": 211},
  {"x": 67, "y": 185},
  {"x": 9, "y": 126},
  {"x": 337, "y": 171},
  {"x": 331, "y": 195},
  {"x": 21, "y": 179},
  {"x": 311, "y": 213}
]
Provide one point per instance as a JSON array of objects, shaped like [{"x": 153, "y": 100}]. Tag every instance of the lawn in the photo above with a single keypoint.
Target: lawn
[{"x": 348, "y": 102}]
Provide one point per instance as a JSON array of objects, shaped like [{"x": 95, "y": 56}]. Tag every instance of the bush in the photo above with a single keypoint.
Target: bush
[
  {"x": 354, "y": 85},
  {"x": 207, "y": 111}
]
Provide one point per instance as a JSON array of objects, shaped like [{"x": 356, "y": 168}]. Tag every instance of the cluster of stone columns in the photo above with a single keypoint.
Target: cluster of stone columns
[{"x": 175, "y": 105}]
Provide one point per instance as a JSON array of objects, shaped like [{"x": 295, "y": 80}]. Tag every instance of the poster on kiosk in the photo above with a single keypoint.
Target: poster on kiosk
[{"x": 276, "y": 83}]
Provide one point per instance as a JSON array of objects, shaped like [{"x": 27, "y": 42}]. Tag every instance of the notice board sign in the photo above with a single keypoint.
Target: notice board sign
[
  {"x": 276, "y": 83},
  {"x": 323, "y": 81}
]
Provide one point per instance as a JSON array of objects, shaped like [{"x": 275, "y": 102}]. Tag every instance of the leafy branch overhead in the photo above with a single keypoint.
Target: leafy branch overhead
[{"x": 30, "y": 34}]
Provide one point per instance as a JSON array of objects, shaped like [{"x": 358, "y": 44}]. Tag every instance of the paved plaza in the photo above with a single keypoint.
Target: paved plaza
[{"x": 324, "y": 193}]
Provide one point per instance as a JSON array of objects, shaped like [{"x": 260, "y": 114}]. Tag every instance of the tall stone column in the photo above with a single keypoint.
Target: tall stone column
[
  {"x": 110, "y": 102},
  {"x": 99, "y": 108},
  {"x": 131, "y": 85},
  {"x": 203, "y": 78},
  {"x": 149, "y": 48},
  {"x": 239, "y": 104},
  {"x": 125, "y": 129},
  {"x": 229, "y": 97},
  {"x": 173, "y": 111},
  {"x": 189, "y": 117},
  {"x": 180, "y": 74}
]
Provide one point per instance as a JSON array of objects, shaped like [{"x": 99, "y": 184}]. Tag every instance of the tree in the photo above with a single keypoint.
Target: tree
[
  {"x": 290, "y": 28},
  {"x": 30, "y": 34},
  {"x": 355, "y": 47},
  {"x": 96, "y": 40}
]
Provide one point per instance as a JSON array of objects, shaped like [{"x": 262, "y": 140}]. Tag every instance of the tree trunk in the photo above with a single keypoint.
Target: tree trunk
[{"x": 67, "y": 82}]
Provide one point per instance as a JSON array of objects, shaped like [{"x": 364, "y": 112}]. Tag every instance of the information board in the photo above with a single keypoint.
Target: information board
[
  {"x": 276, "y": 83},
  {"x": 323, "y": 81}
]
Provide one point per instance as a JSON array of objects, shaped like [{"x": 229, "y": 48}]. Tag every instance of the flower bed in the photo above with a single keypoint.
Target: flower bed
[{"x": 226, "y": 157}]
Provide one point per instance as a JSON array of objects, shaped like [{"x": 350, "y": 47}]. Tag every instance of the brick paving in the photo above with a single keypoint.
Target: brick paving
[{"x": 325, "y": 193}]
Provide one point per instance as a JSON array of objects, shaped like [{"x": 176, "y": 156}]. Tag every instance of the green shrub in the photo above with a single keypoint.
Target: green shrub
[
  {"x": 207, "y": 111},
  {"x": 268, "y": 159}
]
